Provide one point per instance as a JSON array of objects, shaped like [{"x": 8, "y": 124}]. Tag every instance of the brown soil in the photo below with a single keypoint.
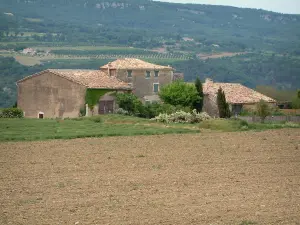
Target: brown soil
[
  {"x": 208, "y": 178},
  {"x": 220, "y": 55}
]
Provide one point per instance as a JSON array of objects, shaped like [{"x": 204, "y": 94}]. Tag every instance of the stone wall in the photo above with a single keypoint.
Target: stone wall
[
  {"x": 210, "y": 106},
  {"x": 143, "y": 86},
  {"x": 52, "y": 95}
]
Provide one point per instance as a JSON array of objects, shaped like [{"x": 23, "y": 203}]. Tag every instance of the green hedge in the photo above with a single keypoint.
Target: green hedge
[{"x": 11, "y": 113}]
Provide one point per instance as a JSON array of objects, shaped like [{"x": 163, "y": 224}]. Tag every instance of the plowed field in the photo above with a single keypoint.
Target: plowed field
[{"x": 209, "y": 178}]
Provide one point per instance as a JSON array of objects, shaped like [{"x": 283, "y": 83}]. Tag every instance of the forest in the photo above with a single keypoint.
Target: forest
[{"x": 149, "y": 24}]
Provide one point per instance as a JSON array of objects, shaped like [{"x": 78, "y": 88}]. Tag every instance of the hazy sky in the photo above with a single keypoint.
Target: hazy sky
[{"x": 283, "y": 6}]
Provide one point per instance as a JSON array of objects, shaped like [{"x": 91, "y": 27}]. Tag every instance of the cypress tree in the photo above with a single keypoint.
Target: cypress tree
[
  {"x": 223, "y": 106},
  {"x": 198, "y": 105}
]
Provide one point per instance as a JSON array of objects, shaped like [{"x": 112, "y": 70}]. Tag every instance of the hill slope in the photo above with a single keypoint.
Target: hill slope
[{"x": 136, "y": 21}]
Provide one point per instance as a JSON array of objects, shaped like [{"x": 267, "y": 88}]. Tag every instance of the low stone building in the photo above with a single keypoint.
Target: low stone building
[
  {"x": 62, "y": 93},
  {"x": 145, "y": 78},
  {"x": 238, "y": 96}
]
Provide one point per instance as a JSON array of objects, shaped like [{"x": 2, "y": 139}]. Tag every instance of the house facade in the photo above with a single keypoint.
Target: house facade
[
  {"x": 145, "y": 78},
  {"x": 238, "y": 96},
  {"x": 62, "y": 93}
]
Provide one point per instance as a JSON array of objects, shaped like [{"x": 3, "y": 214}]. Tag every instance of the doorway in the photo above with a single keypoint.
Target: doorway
[
  {"x": 41, "y": 115},
  {"x": 106, "y": 106}
]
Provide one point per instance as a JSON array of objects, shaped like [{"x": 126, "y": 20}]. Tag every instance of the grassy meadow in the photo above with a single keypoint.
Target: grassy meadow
[
  {"x": 117, "y": 125},
  {"x": 98, "y": 126}
]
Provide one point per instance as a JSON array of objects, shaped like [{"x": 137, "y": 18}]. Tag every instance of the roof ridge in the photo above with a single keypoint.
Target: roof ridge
[{"x": 88, "y": 78}]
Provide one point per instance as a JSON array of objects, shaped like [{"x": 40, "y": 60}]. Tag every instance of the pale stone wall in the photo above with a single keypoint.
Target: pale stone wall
[
  {"x": 144, "y": 86},
  {"x": 53, "y": 95},
  {"x": 210, "y": 106}
]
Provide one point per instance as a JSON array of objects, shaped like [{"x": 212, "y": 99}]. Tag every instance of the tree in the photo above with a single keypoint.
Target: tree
[
  {"x": 296, "y": 101},
  {"x": 198, "y": 105},
  {"x": 223, "y": 106},
  {"x": 179, "y": 93},
  {"x": 263, "y": 110},
  {"x": 130, "y": 103}
]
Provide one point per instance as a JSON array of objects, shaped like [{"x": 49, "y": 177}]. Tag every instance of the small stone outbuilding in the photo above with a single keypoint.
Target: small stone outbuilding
[
  {"x": 238, "y": 96},
  {"x": 61, "y": 93}
]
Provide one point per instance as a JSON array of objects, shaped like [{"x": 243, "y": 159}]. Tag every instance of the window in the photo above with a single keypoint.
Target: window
[
  {"x": 147, "y": 74},
  {"x": 129, "y": 73},
  {"x": 156, "y": 73},
  {"x": 155, "y": 87}
]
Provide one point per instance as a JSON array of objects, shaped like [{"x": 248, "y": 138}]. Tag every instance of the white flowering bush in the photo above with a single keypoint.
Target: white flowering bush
[
  {"x": 122, "y": 111},
  {"x": 182, "y": 117}
]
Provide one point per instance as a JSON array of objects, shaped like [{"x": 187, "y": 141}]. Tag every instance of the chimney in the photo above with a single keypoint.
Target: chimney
[{"x": 108, "y": 68}]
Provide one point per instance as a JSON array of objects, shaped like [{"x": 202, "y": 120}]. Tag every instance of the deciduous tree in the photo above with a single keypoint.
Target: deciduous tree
[{"x": 179, "y": 93}]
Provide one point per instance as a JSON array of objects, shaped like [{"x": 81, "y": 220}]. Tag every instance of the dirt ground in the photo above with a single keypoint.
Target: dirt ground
[
  {"x": 220, "y": 55},
  {"x": 209, "y": 178}
]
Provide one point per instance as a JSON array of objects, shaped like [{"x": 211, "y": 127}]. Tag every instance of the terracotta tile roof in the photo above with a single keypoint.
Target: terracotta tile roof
[
  {"x": 235, "y": 93},
  {"x": 88, "y": 78},
  {"x": 131, "y": 63}
]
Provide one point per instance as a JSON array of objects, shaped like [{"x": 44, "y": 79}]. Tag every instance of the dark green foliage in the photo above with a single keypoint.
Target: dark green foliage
[
  {"x": 92, "y": 96},
  {"x": 134, "y": 107},
  {"x": 198, "y": 105},
  {"x": 15, "y": 105},
  {"x": 232, "y": 29},
  {"x": 280, "y": 71},
  {"x": 179, "y": 93},
  {"x": 82, "y": 111},
  {"x": 263, "y": 110},
  {"x": 298, "y": 93},
  {"x": 11, "y": 113},
  {"x": 130, "y": 103},
  {"x": 154, "y": 109},
  {"x": 223, "y": 106}
]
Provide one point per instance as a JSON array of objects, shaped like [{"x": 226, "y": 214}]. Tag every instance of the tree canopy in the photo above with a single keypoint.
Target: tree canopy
[{"x": 179, "y": 93}]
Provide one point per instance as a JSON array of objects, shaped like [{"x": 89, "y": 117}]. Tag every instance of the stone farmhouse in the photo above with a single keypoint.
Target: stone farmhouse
[
  {"x": 145, "y": 78},
  {"x": 62, "y": 93},
  {"x": 238, "y": 96}
]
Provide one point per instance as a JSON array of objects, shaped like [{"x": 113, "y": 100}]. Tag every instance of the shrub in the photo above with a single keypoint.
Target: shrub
[
  {"x": 122, "y": 111},
  {"x": 262, "y": 110},
  {"x": 182, "y": 117},
  {"x": 11, "y": 113},
  {"x": 82, "y": 111},
  {"x": 130, "y": 103}
]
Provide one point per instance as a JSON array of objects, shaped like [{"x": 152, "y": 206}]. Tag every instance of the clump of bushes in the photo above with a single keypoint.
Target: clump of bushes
[
  {"x": 11, "y": 113},
  {"x": 130, "y": 105},
  {"x": 182, "y": 117},
  {"x": 122, "y": 111}
]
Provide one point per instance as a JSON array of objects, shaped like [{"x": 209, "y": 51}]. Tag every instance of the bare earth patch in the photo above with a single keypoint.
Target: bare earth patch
[
  {"x": 208, "y": 178},
  {"x": 220, "y": 55}
]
